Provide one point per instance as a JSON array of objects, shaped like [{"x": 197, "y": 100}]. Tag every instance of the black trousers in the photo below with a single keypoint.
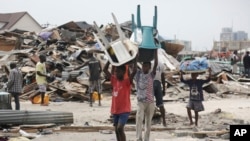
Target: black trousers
[{"x": 16, "y": 98}]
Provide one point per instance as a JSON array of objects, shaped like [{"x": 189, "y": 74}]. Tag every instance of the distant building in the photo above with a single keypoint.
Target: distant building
[
  {"x": 18, "y": 21},
  {"x": 226, "y": 34},
  {"x": 230, "y": 41},
  {"x": 240, "y": 36},
  {"x": 187, "y": 45},
  {"x": 224, "y": 46}
]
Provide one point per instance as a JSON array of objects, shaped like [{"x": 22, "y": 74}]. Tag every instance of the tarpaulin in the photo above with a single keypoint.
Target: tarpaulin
[{"x": 199, "y": 64}]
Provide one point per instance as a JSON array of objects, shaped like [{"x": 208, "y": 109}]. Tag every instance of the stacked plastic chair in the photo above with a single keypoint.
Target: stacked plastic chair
[
  {"x": 146, "y": 37},
  {"x": 119, "y": 51}
]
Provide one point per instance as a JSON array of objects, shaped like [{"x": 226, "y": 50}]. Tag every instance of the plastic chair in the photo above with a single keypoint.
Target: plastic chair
[
  {"x": 119, "y": 51},
  {"x": 145, "y": 37}
]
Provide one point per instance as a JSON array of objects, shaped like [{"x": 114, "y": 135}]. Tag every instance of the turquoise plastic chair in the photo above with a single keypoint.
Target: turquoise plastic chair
[
  {"x": 147, "y": 32},
  {"x": 145, "y": 37}
]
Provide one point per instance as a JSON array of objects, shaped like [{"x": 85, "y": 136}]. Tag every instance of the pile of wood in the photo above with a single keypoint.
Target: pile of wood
[{"x": 67, "y": 48}]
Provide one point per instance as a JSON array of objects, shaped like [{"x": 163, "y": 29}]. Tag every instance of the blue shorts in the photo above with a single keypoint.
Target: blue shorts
[{"x": 120, "y": 118}]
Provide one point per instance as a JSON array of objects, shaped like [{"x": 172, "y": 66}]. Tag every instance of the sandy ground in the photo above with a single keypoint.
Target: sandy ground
[{"x": 239, "y": 108}]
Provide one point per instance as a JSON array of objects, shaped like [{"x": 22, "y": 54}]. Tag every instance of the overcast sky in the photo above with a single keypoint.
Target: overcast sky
[{"x": 199, "y": 21}]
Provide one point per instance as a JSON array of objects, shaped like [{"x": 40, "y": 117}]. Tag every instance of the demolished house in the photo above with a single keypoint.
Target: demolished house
[{"x": 19, "y": 21}]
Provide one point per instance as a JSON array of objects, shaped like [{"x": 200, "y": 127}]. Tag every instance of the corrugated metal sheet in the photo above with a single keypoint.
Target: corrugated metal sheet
[
  {"x": 34, "y": 117},
  {"x": 5, "y": 100}
]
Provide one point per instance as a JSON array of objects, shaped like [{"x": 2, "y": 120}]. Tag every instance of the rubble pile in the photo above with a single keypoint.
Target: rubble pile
[{"x": 67, "y": 48}]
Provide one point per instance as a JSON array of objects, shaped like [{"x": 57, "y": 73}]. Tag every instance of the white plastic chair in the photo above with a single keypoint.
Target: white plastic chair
[{"x": 119, "y": 51}]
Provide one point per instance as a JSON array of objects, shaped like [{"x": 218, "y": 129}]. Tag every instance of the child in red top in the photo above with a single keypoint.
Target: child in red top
[{"x": 121, "y": 81}]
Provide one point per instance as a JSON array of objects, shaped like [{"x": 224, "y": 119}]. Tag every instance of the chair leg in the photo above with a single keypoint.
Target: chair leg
[
  {"x": 104, "y": 39},
  {"x": 121, "y": 34}
]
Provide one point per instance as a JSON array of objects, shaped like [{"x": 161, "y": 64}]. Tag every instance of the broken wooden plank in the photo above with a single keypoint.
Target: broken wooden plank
[
  {"x": 202, "y": 134},
  {"x": 244, "y": 79},
  {"x": 126, "y": 128},
  {"x": 50, "y": 85},
  {"x": 27, "y": 94},
  {"x": 27, "y": 46},
  {"x": 30, "y": 87},
  {"x": 231, "y": 77},
  {"x": 27, "y": 69},
  {"x": 7, "y": 44},
  {"x": 9, "y": 134},
  {"x": 74, "y": 87},
  {"x": 236, "y": 87},
  {"x": 22, "y": 138},
  {"x": 37, "y": 126}
]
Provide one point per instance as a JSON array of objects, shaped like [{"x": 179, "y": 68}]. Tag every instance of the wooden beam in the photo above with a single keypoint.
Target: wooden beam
[
  {"x": 127, "y": 128},
  {"x": 37, "y": 126},
  {"x": 10, "y": 135},
  {"x": 206, "y": 133}
]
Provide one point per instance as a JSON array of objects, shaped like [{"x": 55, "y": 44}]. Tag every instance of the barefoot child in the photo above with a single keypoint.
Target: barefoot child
[
  {"x": 196, "y": 95},
  {"x": 121, "y": 81}
]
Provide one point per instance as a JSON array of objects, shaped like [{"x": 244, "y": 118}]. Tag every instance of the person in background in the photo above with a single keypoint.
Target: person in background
[
  {"x": 246, "y": 63},
  {"x": 234, "y": 61},
  {"x": 121, "y": 81},
  {"x": 223, "y": 58},
  {"x": 95, "y": 70},
  {"x": 41, "y": 77},
  {"x": 195, "y": 95},
  {"x": 15, "y": 83},
  {"x": 159, "y": 90},
  {"x": 145, "y": 98}
]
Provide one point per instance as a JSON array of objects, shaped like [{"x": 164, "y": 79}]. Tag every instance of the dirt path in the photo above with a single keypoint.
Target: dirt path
[{"x": 238, "y": 108}]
